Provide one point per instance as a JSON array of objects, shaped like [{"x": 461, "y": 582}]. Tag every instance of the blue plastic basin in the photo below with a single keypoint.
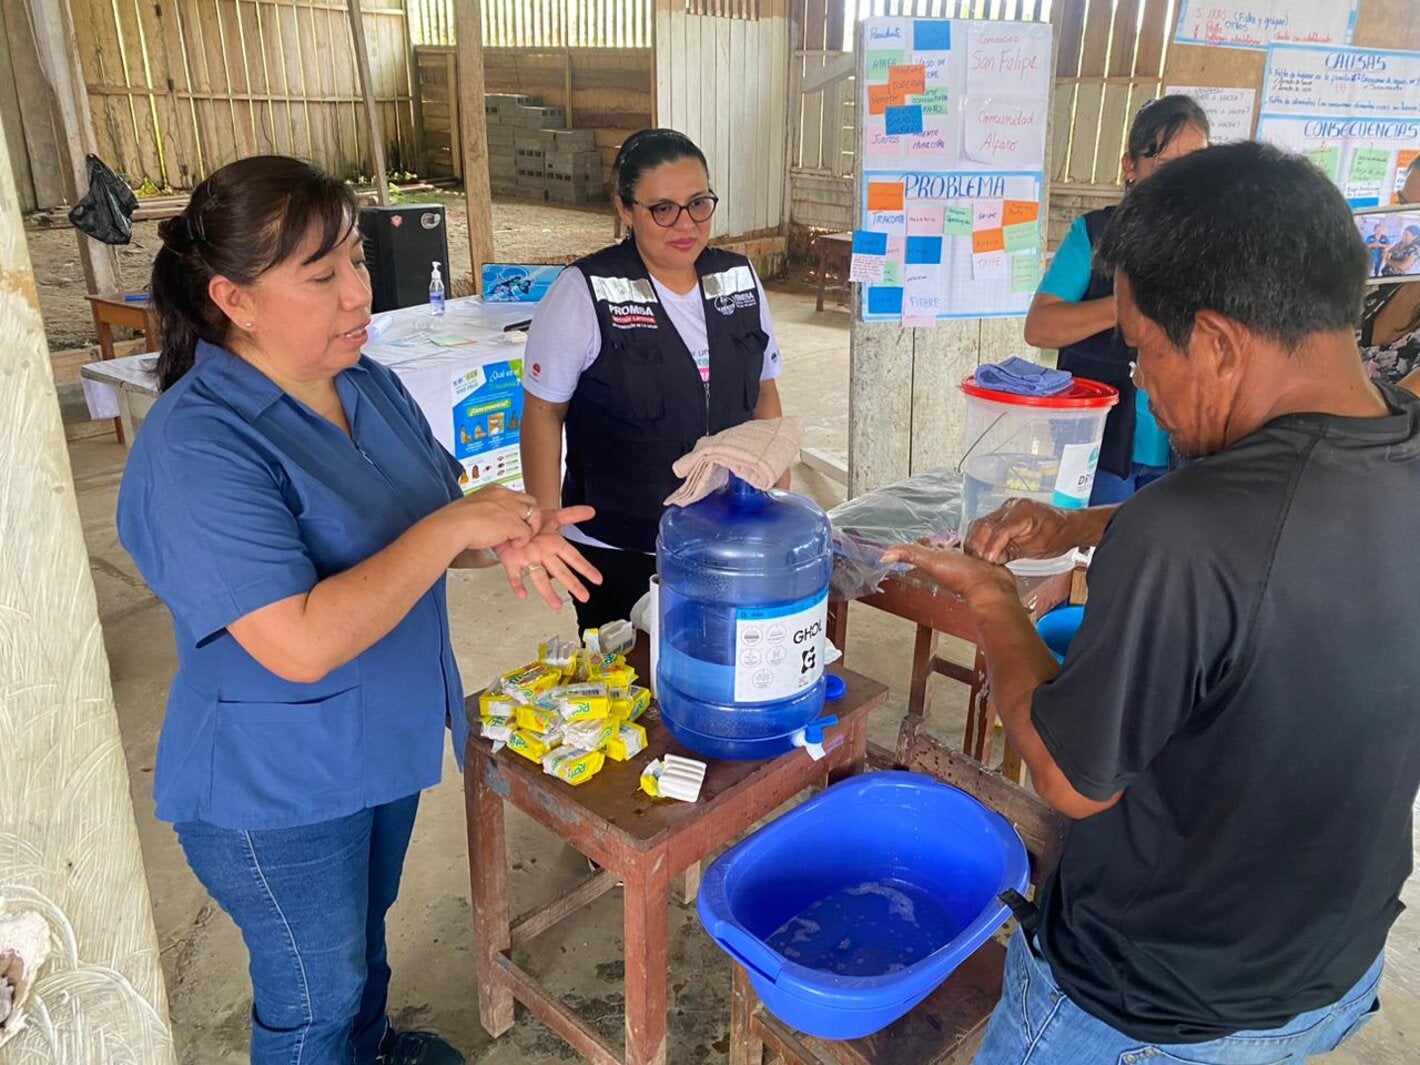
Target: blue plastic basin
[
  {"x": 1058, "y": 628},
  {"x": 852, "y": 908}
]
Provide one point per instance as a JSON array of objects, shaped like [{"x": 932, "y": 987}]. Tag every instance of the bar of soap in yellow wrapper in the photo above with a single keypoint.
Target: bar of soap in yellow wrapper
[
  {"x": 590, "y": 735},
  {"x": 496, "y": 704},
  {"x": 539, "y": 719},
  {"x": 621, "y": 676},
  {"x": 532, "y": 746},
  {"x": 633, "y": 705},
  {"x": 583, "y": 702},
  {"x": 573, "y": 765},
  {"x": 629, "y": 741},
  {"x": 526, "y": 683},
  {"x": 496, "y": 729}
]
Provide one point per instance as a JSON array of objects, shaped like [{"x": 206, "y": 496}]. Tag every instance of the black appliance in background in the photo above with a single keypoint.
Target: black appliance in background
[{"x": 401, "y": 243}]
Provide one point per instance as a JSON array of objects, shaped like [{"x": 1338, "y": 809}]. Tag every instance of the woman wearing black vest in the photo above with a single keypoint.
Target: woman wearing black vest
[
  {"x": 1073, "y": 309},
  {"x": 636, "y": 352}
]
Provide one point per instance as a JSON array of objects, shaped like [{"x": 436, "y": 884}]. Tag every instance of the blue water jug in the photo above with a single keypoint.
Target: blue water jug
[{"x": 743, "y": 610}]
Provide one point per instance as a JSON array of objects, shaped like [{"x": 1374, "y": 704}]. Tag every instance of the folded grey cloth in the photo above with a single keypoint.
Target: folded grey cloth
[{"x": 1022, "y": 377}]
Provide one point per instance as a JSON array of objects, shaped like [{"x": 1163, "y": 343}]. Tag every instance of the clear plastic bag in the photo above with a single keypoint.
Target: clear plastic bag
[{"x": 925, "y": 507}]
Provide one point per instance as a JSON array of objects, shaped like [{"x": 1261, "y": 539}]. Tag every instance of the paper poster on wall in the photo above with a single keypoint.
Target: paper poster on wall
[
  {"x": 1229, "y": 111},
  {"x": 953, "y": 152},
  {"x": 1354, "y": 112},
  {"x": 1258, "y": 23}
]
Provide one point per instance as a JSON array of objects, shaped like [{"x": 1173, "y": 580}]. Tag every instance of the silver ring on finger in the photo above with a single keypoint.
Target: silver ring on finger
[
  {"x": 534, "y": 568},
  {"x": 529, "y": 514}
]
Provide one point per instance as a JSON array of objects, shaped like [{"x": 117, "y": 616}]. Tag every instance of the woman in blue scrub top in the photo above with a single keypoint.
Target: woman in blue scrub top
[
  {"x": 288, "y": 503},
  {"x": 1073, "y": 309}
]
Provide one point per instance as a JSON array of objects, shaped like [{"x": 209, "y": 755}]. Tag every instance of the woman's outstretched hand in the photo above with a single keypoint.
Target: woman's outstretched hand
[{"x": 547, "y": 557}]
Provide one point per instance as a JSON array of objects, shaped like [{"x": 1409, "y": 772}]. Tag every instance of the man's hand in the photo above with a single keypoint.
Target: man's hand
[
  {"x": 967, "y": 577},
  {"x": 1024, "y": 528},
  {"x": 548, "y": 557}
]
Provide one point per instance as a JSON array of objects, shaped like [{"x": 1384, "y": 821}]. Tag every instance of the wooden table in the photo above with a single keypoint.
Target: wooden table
[
  {"x": 114, "y": 310},
  {"x": 835, "y": 251},
  {"x": 936, "y": 612},
  {"x": 642, "y": 842}
]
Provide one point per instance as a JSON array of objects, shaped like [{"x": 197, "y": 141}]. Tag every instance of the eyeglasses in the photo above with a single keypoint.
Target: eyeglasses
[{"x": 666, "y": 214}]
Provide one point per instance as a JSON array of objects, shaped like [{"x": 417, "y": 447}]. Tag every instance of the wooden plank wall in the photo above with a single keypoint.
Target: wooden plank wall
[
  {"x": 179, "y": 88},
  {"x": 540, "y": 23},
  {"x": 724, "y": 82},
  {"x": 611, "y": 92}
]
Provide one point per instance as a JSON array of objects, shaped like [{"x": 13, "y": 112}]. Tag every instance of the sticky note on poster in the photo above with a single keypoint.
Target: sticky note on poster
[
  {"x": 1014, "y": 212},
  {"x": 987, "y": 214},
  {"x": 1008, "y": 57},
  {"x": 923, "y": 250},
  {"x": 881, "y": 97},
  {"x": 984, "y": 240},
  {"x": 889, "y": 222},
  {"x": 1005, "y": 132},
  {"x": 880, "y": 61},
  {"x": 958, "y": 220},
  {"x": 991, "y": 266},
  {"x": 924, "y": 218},
  {"x": 1369, "y": 166},
  {"x": 934, "y": 101},
  {"x": 892, "y": 272},
  {"x": 903, "y": 121},
  {"x": 931, "y": 35},
  {"x": 1023, "y": 236},
  {"x": 936, "y": 67},
  {"x": 1328, "y": 158},
  {"x": 921, "y": 293},
  {"x": 1025, "y": 272},
  {"x": 908, "y": 78},
  {"x": 885, "y": 300},
  {"x": 869, "y": 256},
  {"x": 885, "y": 196}
]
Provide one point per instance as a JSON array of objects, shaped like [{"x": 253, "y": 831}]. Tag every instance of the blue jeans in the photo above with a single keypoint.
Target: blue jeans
[
  {"x": 1037, "y": 1024},
  {"x": 1112, "y": 488},
  {"x": 311, "y": 902}
]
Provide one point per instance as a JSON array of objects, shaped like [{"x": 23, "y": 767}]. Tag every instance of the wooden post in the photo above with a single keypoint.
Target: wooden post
[
  {"x": 58, "y": 52},
  {"x": 473, "y": 134},
  {"x": 567, "y": 88},
  {"x": 71, "y": 855},
  {"x": 372, "y": 113}
]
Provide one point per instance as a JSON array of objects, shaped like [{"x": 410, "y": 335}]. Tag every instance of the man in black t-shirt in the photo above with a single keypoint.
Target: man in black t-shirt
[{"x": 1236, "y": 728}]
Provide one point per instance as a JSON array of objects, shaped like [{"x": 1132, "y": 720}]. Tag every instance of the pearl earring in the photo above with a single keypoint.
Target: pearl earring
[{"x": 250, "y": 326}]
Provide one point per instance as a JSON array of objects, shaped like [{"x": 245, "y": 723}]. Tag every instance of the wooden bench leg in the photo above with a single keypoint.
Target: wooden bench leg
[
  {"x": 822, "y": 267},
  {"x": 488, "y": 873},
  {"x": 645, "y": 904},
  {"x": 746, "y": 1048}
]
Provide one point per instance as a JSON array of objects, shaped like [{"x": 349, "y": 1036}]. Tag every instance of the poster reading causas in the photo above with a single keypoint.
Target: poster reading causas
[
  {"x": 953, "y": 158},
  {"x": 488, "y": 414},
  {"x": 1355, "y": 112},
  {"x": 1258, "y": 23}
]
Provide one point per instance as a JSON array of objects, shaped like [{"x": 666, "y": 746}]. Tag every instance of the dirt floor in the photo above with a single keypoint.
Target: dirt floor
[
  {"x": 431, "y": 936},
  {"x": 522, "y": 232}
]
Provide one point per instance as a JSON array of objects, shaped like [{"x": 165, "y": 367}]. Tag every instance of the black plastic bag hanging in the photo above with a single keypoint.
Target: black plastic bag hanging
[{"x": 106, "y": 211}]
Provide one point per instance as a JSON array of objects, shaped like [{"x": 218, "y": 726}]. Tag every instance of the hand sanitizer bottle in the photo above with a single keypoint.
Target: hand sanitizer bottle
[{"x": 436, "y": 292}]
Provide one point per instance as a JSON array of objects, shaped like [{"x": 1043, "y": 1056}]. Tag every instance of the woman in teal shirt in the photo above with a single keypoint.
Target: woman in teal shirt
[
  {"x": 288, "y": 503},
  {"x": 1073, "y": 309}
]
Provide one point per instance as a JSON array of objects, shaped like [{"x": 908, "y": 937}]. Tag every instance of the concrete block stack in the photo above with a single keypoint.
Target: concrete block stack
[{"x": 529, "y": 158}]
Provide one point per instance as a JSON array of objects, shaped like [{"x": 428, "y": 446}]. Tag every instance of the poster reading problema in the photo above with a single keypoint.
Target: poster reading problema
[
  {"x": 953, "y": 156},
  {"x": 1354, "y": 112}
]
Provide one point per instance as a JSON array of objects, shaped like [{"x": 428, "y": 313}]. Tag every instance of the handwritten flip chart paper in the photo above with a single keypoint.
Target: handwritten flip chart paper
[
  {"x": 1229, "y": 111},
  {"x": 881, "y": 97},
  {"x": 1004, "y": 131},
  {"x": 1022, "y": 237},
  {"x": 1344, "y": 108},
  {"x": 1258, "y": 23},
  {"x": 885, "y": 196},
  {"x": 1008, "y": 59},
  {"x": 966, "y": 138},
  {"x": 958, "y": 220},
  {"x": 1025, "y": 272},
  {"x": 990, "y": 266},
  {"x": 907, "y": 79},
  {"x": 903, "y": 120}
]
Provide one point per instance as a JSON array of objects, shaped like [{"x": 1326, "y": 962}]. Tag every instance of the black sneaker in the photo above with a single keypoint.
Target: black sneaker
[{"x": 416, "y": 1048}]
